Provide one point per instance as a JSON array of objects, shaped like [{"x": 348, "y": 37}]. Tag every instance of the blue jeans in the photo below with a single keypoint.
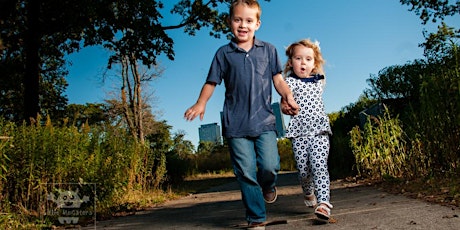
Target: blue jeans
[{"x": 256, "y": 163}]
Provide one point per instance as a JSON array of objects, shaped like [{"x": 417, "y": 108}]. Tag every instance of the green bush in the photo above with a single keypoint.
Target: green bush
[
  {"x": 380, "y": 149},
  {"x": 37, "y": 160},
  {"x": 287, "y": 160},
  {"x": 436, "y": 124},
  {"x": 341, "y": 158}
]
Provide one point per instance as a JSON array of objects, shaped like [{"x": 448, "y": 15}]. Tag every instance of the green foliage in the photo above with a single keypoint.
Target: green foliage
[
  {"x": 177, "y": 168},
  {"x": 37, "y": 156},
  {"x": 430, "y": 113},
  {"x": 426, "y": 94},
  {"x": 398, "y": 81},
  {"x": 341, "y": 159},
  {"x": 160, "y": 143},
  {"x": 438, "y": 45},
  {"x": 52, "y": 85},
  {"x": 433, "y": 9},
  {"x": 287, "y": 160},
  {"x": 213, "y": 157},
  {"x": 380, "y": 149},
  {"x": 436, "y": 124},
  {"x": 35, "y": 37},
  {"x": 5, "y": 143},
  {"x": 92, "y": 114}
]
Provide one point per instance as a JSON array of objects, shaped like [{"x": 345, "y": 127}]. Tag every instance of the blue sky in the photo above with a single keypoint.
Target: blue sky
[{"x": 358, "y": 38}]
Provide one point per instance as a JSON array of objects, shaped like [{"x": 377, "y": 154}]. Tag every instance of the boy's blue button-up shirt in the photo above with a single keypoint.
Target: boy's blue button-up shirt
[{"x": 248, "y": 78}]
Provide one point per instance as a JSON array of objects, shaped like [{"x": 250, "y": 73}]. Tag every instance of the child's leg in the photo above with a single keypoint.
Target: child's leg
[
  {"x": 300, "y": 148},
  {"x": 268, "y": 160},
  {"x": 318, "y": 159},
  {"x": 244, "y": 162}
]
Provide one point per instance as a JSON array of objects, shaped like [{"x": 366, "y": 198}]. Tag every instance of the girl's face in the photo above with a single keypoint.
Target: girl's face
[
  {"x": 244, "y": 22},
  {"x": 302, "y": 61}
]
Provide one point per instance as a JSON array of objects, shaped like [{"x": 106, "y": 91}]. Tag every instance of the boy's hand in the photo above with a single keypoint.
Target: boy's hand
[
  {"x": 194, "y": 111},
  {"x": 289, "y": 106}
]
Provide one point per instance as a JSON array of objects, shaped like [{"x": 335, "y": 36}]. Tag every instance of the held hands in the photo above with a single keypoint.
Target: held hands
[
  {"x": 289, "y": 106},
  {"x": 194, "y": 111}
]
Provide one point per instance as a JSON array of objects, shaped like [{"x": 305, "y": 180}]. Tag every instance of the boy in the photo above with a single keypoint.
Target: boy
[{"x": 248, "y": 67}]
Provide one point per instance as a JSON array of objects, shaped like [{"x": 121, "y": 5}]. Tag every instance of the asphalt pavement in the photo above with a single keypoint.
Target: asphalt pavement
[{"x": 356, "y": 206}]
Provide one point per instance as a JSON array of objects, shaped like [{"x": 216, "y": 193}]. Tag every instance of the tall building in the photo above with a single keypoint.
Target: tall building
[
  {"x": 280, "y": 128},
  {"x": 210, "y": 132}
]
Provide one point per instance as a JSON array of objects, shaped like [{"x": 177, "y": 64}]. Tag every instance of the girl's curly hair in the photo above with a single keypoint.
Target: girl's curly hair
[{"x": 319, "y": 61}]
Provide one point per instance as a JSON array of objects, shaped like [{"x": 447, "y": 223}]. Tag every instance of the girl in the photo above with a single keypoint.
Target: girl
[{"x": 309, "y": 130}]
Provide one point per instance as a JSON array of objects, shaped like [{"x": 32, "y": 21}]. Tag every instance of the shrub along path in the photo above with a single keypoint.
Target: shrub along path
[{"x": 356, "y": 206}]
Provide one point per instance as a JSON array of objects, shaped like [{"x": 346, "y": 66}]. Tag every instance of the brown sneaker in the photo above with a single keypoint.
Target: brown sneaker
[
  {"x": 256, "y": 226},
  {"x": 270, "y": 196}
]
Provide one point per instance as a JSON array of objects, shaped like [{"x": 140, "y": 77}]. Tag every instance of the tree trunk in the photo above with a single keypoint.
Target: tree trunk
[
  {"x": 138, "y": 110},
  {"x": 131, "y": 98},
  {"x": 126, "y": 92},
  {"x": 32, "y": 70}
]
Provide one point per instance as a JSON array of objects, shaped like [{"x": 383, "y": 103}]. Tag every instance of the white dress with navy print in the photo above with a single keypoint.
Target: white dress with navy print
[
  {"x": 309, "y": 132},
  {"x": 312, "y": 119}
]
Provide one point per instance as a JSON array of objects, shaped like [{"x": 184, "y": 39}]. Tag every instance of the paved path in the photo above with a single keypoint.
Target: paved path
[{"x": 355, "y": 207}]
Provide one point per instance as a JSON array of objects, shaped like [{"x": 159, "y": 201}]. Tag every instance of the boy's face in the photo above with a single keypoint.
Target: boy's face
[
  {"x": 244, "y": 23},
  {"x": 302, "y": 61}
]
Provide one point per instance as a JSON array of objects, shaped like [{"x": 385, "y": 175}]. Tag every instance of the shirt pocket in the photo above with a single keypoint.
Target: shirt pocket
[{"x": 262, "y": 67}]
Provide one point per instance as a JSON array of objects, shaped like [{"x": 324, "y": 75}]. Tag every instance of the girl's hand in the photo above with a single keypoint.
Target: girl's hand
[{"x": 289, "y": 106}]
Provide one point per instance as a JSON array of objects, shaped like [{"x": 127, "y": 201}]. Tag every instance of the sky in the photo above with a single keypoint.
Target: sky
[{"x": 358, "y": 38}]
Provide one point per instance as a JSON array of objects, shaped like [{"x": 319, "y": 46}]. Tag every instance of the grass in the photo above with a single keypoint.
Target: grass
[{"x": 202, "y": 182}]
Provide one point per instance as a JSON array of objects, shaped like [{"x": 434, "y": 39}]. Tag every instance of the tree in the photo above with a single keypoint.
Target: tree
[
  {"x": 116, "y": 115},
  {"x": 52, "y": 86},
  {"x": 433, "y": 9},
  {"x": 206, "y": 147},
  {"x": 160, "y": 143},
  {"x": 438, "y": 44},
  {"x": 133, "y": 106},
  {"x": 397, "y": 82},
  {"x": 403, "y": 81},
  {"x": 128, "y": 28},
  {"x": 182, "y": 147},
  {"x": 33, "y": 36},
  {"x": 91, "y": 114},
  {"x": 442, "y": 44}
]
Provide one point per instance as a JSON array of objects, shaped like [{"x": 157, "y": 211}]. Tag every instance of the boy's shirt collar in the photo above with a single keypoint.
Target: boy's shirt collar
[{"x": 234, "y": 46}]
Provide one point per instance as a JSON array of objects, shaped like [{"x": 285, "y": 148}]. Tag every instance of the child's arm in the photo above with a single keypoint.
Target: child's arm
[
  {"x": 287, "y": 100},
  {"x": 200, "y": 106}
]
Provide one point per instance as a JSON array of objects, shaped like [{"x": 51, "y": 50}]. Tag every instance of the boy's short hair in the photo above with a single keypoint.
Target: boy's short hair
[{"x": 249, "y": 3}]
